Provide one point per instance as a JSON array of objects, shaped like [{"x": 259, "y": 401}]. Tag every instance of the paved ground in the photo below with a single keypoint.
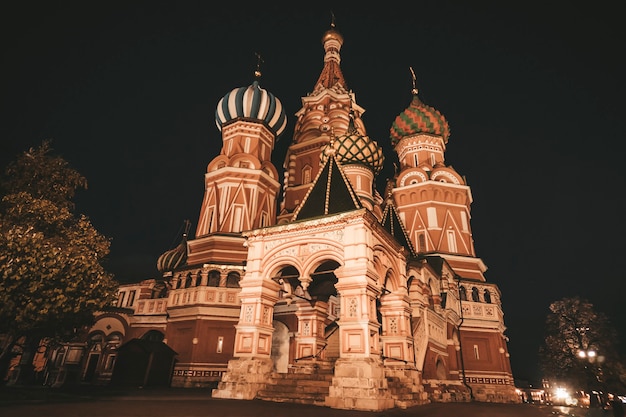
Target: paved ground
[{"x": 197, "y": 403}]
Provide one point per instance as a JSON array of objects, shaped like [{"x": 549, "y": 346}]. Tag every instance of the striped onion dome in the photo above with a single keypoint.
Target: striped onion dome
[
  {"x": 252, "y": 102},
  {"x": 354, "y": 148},
  {"x": 419, "y": 118},
  {"x": 173, "y": 258}
]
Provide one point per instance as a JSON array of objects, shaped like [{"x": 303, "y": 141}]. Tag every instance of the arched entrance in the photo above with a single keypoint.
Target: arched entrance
[{"x": 280, "y": 347}]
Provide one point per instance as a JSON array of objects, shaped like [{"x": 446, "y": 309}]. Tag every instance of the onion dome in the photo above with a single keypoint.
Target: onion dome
[
  {"x": 252, "y": 102},
  {"x": 176, "y": 257},
  {"x": 355, "y": 148},
  {"x": 172, "y": 259},
  {"x": 419, "y": 118}
]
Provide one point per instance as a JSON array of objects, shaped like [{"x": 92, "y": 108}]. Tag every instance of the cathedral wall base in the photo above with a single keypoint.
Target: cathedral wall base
[
  {"x": 359, "y": 384},
  {"x": 495, "y": 393},
  {"x": 196, "y": 376},
  {"x": 244, "y": 378}
]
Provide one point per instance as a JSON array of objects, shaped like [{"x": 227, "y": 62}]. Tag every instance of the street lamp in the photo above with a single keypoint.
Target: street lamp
[
  {"x": 590, "y": 355},
  {"x": 594, "y": 370}
]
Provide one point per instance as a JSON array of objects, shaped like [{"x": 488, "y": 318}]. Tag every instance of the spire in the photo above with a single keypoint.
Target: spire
[
  {"x": 331, "y": 73},
  {"x": 414, "y": 90},
  {"x": 259, "y": 61}
]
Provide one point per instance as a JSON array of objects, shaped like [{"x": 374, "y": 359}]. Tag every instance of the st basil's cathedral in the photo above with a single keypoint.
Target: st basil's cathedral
[{"x": 308, "y": 285}]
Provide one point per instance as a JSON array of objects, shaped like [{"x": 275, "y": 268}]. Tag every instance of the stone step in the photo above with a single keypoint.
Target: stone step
[
  {"x": 301, "y": 377},
  {"x": 301, "y": 388}
]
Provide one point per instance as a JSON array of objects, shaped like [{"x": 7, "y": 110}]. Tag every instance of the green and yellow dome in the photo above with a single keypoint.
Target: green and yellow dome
[{"x": 419, "y": 118}]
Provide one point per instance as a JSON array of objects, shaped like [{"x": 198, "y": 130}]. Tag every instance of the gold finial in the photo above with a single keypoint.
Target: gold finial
[
  {"x": 259, "y": 61},
  {"x": 414, "y": 90},
  {"x": 332, "y": 19}
]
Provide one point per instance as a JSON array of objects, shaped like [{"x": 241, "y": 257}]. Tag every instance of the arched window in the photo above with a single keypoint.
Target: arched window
[
  {"x": 475, "y": 296},
  {"x": 463, "y": 293},
  {"x": 421, "y": 243},
  {"x": 214, "y": 279},
  {"x": 188, "y": 281},
  {"x": 232, "y": 280},
  {"x": 159, "y": 290},
  {"x": 441, "y": 370},
  {"x": 487, "y": 296},
  {"x": 306, "y": 174}
]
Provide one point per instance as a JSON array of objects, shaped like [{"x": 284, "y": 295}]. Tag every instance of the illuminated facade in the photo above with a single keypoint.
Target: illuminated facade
[{"x": 310, "y": 285}]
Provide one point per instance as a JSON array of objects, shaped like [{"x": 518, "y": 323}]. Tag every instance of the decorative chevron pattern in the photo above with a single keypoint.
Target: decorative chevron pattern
[{"x": 419, "y": 118}]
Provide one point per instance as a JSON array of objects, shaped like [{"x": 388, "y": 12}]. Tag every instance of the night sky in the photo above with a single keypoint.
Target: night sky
[{"x": 127, "y": 92}]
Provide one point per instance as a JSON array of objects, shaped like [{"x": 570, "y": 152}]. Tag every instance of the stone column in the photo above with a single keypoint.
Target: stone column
[
  {"x": 310, "y": 337},
  {"x": 205, "y": 277},
  {"x": 396, "y": 336},
  {"x": 252, "y": 366},
  {"x": 359, "y": 381}
]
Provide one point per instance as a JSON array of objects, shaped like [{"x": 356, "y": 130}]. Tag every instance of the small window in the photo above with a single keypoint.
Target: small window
[
  {"x": 421, "y": 243},
  {"x": 487, "y": 296},
  {"x": 214, "y": 279},
  {"x": 463, "y": 293},
  {"x": 476, "y": 352},
  {"x": 451, "y": 241},
  {"x": 210, "y": 217},
  {"x": 232, "y": 280},
  {"x": 441, "y": 370},
  {"x": 120, "y": 299},
  {"x": 131, "y": 298},
  {"x": 74, "y": 355},
  {"x": 110, "y": 363},
  {"x": 475, "y": 296},
  {"x": 60, "y": 357},
  {"x": 306, "y": 175}
]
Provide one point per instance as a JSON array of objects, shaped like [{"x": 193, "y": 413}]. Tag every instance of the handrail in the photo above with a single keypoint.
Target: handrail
[
  {"x": 319, "y": 352},
  {"x": 394, "y": 359}
]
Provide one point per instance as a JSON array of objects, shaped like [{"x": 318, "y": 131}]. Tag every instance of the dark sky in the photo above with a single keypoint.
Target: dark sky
[{"x": 533, "y": 92}]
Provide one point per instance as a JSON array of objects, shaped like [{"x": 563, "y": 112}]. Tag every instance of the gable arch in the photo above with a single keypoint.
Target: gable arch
[
  {"x": 388, "y": 267},
  {"x": 287, "y": 276},
  {"x": 323, "y": 279},
  {"x": 278, "y": 267}
]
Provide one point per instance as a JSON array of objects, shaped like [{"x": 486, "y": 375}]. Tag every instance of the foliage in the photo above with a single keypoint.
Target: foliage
[
  {"x": 51, "y": 277},
  {"x": 580, "y": 346}
]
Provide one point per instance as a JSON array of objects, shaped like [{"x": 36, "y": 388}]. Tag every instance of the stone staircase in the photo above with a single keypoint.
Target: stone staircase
[
  {"x": 405, "y": 388},
  {"x": 442, "y": 392},
  {"x": 299, "y": 385}
]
